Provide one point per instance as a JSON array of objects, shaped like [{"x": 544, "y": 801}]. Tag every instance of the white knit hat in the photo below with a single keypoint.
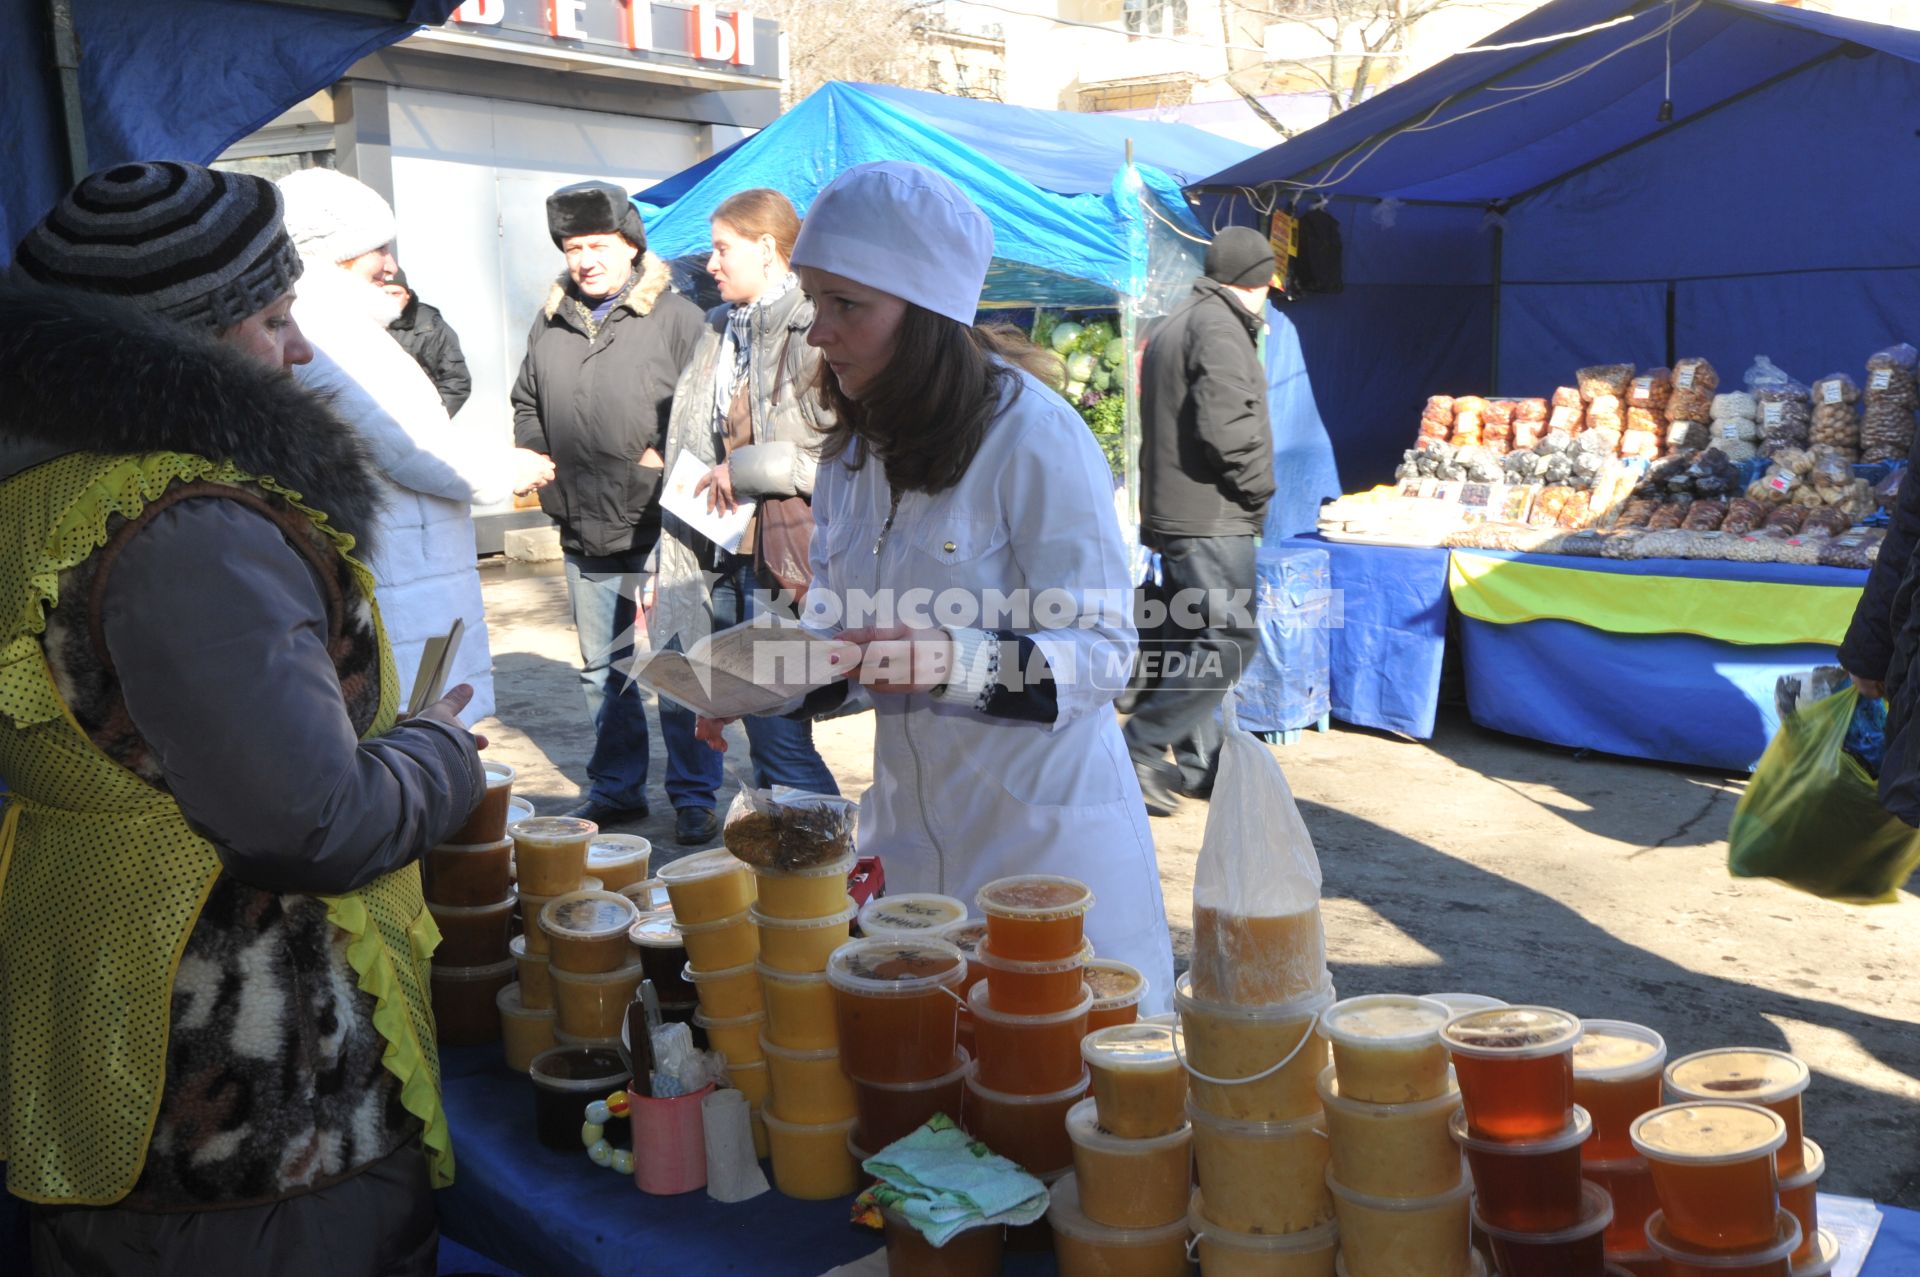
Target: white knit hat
[
  {"x": 333, "y": 217},
  {"x": 904, "y": 230}
]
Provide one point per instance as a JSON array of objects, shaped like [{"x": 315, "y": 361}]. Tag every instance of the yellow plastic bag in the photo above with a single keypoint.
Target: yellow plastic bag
[{"x": 1812, "y": 818}]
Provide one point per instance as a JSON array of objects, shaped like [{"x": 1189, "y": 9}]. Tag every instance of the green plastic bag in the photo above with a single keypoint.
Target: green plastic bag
[{"x": 1812, "y": 818}]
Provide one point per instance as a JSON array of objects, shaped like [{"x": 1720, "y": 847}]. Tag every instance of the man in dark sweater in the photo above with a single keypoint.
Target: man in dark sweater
[
  {"x": 424, "y": 333},
  {"x": 1206, "y": 475}
]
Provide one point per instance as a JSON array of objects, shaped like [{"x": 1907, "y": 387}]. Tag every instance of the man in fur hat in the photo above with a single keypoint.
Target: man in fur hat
[{"x": 594, "y": 394}]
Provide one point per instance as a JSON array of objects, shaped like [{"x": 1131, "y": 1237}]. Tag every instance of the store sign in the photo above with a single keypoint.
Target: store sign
[{"x": 660, "y": 32}]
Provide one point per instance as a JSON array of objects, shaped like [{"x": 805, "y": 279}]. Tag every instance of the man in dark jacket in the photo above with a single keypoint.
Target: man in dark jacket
[
  {"x": 1883, "y": 644},
  {"x": 593, "y": 394},
  {"x": 424, "y": 333},
  {"x": 1206, "y": 474}
]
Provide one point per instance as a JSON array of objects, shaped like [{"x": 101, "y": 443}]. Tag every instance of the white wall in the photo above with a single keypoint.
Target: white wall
[{"x": 470, "y": 182}]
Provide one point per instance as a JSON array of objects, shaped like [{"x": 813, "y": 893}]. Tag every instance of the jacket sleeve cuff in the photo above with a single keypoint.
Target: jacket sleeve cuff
[{"x": 976, "y": 668}]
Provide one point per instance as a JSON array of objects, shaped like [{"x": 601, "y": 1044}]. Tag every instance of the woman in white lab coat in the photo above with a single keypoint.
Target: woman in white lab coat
[{"x": 965, "y": 538}]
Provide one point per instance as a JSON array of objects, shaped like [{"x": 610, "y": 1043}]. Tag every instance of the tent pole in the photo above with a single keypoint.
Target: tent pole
[
  {"x": 1499, "y": 269},
  {"x": 66, "y": 65}
]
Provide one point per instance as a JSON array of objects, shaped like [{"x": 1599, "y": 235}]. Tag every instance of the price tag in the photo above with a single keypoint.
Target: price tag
[
  {"x": 1830, "y": 393},
  {"x": 1780, "y": 483},
  {"x": 1730, "y": 430},
  {"x": 1684, "y": 378},
  {"x": 1772, "y": 413},
  {"x": 1881, "y": 379}
]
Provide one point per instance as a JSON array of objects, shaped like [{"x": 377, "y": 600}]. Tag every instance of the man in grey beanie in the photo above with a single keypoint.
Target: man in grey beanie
[{"x": 1206, "y": 475}]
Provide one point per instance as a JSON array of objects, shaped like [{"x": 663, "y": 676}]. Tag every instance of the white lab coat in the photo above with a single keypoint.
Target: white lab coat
[{"x": 960, "y": 798}]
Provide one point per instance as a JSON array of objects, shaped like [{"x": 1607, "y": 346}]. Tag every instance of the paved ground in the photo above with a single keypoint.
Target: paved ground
[{"x": 1483, "y": 863}]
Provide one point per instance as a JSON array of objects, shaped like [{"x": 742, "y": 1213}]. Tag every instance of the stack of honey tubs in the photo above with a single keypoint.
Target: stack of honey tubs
[
  {"x": 1616, "y": 1078},
  {"x": 468, "y": 881},
  {"x": 1250, "y": 1011},
  {"x": 803, "y": 915},
  {"x": 1398, "y": 1189},
  {"x": 1735, "y": 1178}
]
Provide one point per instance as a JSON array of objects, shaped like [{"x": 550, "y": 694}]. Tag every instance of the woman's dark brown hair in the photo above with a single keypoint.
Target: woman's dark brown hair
[
  {"x": 762, "y": 211},
  {"x": 927, "y": 413}
]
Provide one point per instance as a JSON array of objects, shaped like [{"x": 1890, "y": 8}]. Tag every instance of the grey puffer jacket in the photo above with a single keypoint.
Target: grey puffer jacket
[{"x": 788, "y": 419}]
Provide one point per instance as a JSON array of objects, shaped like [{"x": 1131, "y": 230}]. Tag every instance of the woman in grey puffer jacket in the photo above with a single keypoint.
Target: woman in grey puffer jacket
[{"x": 746, "y": 408}]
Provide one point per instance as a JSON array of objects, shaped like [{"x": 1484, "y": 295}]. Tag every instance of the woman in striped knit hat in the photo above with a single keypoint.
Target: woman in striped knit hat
[{"x": 207, "y": 854}]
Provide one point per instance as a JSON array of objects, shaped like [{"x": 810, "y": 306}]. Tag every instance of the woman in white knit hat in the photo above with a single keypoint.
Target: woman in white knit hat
[
  {"x": 425, "y": 565},
  {"x": 954, "y": 471}
]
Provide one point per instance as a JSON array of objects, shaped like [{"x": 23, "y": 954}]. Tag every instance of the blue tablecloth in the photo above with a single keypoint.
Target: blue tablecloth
[{"x": 1389, "y": 634}]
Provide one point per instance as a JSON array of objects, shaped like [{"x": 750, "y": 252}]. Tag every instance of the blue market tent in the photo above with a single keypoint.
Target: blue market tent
[
  {"x": 1045, "y": 178},
  {"x": 1516, "y": 212},
  {"x": 181, "y": 80}
]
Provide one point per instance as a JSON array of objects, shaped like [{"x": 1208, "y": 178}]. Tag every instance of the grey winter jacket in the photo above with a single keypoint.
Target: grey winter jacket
[
  {"x": 596, "y": 398},
  {"x": 424, "y": 333},
  {"x": 1206, "y": 445},
  {"x": 788, "y": 419}
]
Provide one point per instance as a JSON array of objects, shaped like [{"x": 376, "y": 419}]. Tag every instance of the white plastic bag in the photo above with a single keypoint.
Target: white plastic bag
[{"x": 1257, "y": 936}]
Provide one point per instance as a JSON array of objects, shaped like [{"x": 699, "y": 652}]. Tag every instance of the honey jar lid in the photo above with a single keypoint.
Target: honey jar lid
[
  {"x": 649, "y": 894},
  {"x": 1512, "y": 1033},
  {"x": 588, "y": 915},
  {"x": 1707, "y": 1134},
  {"x": 703, "y": 865},
  {"x": 1115, "y": 984},
  {"x": 1786, "y": 1240},
  {"x": 554, "y": 829},
  {"x": 657, "y": 930},
  {"x": 1035, "y": 897},
  {"x": 1750, "y": 1074},
  {"x": 617, "y": 851},
  {"x": 1127, "y": 1047},
  {"x": 965, "y": 935},
  {"x": 913, "y": 914},
  {"x": 895, "y": 968},
  {"x": 1616, "y": 1051},
  {"x": 1385, "y": 1020},
  {"x": 498, "y": 774}
]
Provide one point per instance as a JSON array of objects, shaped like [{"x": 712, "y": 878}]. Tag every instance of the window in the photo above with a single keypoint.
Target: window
[
  {"x": 935, "y": 73},
  {"x": 1135, "y": 95},
  {"x": 1155, "y": 17}
]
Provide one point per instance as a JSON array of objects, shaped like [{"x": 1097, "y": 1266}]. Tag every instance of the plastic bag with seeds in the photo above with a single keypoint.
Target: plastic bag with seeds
[
  {"x": 1788, "y": 518},
  {"x": 1604, "y": 380},
  {"x": 1886, "y": 427},
  {"x": 785, "y": 828},
  {"x": 1694, "y": 381},
  {"x": 1636, "y": 512},
  {"x": 1743, "y": 515},
  {"x": 1568, "y": 397},
  {"x": 1705, "y": 516},
  {"x": 1669, "y": 516},
  {"x": 1856, "y": 549},
  {"x": 1786, "y": 416},
  {"x": 1650, "y": 389}
]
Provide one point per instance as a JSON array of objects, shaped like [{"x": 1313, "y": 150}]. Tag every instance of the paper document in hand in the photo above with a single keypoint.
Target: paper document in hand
[
  {"x": 678, "y": 499},
  {"x": 749, "y": 669}
]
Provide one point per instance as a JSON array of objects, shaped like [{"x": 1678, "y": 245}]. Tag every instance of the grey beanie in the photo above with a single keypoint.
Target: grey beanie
[
  {"x": 1240, "y": 256},
  {"x": 200, "y": 246}
]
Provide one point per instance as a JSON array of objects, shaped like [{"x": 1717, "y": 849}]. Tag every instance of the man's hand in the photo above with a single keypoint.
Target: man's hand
[
  {"x": 446, "y": 711},
  {"x": 899, "y": 659},
  {"x": 1872, "y": 689},
  {"x": 652, "y": 460},
  {"x": 711, "y": 732},
  {"x": 531, "y": 470},
  {"x": 717, "y": 483}
]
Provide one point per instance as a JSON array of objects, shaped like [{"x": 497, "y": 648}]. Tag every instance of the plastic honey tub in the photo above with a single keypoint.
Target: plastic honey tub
[
  {"x": 1515, "y": 1068},
  {"x": 1404, "y": 1237},
  {"x": 595, "y": 1005},
  {"x": 799, "y": 1008},
  {"x": 728, "y": 994},
  {"x": 1027, "y": 1054},
  {"x": 914, "y": 913},
  {"x": 1387, "y": 1048},
  {"x": 1224, "y": 1252},
  {"x": 533, "y": 972},
  {"x": 1227, "y": 1044},
  {"x": 1262, "y": 1177},
  {"x": 1028, "y": 1129},
  {"x": 619, "y": 861},
  {"x": 550, "y": 853},
  {"x": 1774, "y": 1080},
  {"x": 801, "y": 944},
  {"x": 708, "y": 886},
  {"x": 1616, "y": 1078},
  {"x": 737, "y": 1038},
  {"x": 1118, "y": 989},
  {"x": 524, "y": 1031},
  {"x": 810, "y": 1159},
  {"x": 1036, "y": 988},
  {"x": 474, "y": 936},
  {"x": 1714, "y": 1170},
  {"x": 808, "y": 1086},
  {"x": 587, "y": 931},
  {"x": 1129, "y": 1183},
  {"x": 1139, "y": 1084},
  {"x": 889, "y": 1111},
  {"x": 816, "y": 892},
  {"x": 1391, "y": 1150},
  {"x": 468, "y": 874},
  {"x": 1035, "y": 917},
  {"x": 487, "y": 823},
  {"x": 465, "y": 1012},
  {"x": 722, "y": 944},
  {"x": 1083, "y": 1248},
  {"x": 895, "y": 1008}
]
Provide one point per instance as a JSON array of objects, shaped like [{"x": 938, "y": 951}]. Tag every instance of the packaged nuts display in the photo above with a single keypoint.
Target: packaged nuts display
[
  {"x": 1694, "y": 382},
  {"x": 1743, "y": 516},
  {"x": 1886, "y": 429},
  {"x": 1855, "y": 549},
  {"x": 1651, "y": 389},
  {"x": 1835, "y": 420},
  {"x": 1705, "y": 516},
  {"x": 1610, "y": 380}
]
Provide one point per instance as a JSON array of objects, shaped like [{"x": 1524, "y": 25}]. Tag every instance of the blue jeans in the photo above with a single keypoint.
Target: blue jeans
[
  {"x": 781, "y": 748},
  {"x": 602, "y": 589}
]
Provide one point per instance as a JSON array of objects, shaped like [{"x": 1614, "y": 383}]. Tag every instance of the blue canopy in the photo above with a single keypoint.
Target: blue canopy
[
  {"x": 182, "y": 80},
  {"x": 1514, "y": 213},
  {"x": 1044, "y": 178}
]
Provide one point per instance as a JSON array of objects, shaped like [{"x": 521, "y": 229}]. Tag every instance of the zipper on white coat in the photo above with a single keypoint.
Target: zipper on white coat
[{"x": 906, "y": 729}]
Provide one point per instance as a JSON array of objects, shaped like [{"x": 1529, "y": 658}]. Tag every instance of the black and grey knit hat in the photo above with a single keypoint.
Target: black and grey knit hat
[{"x": 198, "y": 245}]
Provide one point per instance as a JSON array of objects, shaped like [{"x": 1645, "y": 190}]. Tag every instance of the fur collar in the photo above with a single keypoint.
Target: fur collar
[
  {"x": 81, "y": 372},
  {"x": 655, "y": 278}
]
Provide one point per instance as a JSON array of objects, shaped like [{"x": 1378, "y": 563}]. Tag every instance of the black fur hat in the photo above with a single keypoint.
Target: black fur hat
[{"x": 594, "y": 208}]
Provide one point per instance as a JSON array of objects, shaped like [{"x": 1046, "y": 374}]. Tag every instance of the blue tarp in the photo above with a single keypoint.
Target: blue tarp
[
  {"x": 177, "y": 81},
  {"x": 1044, "y": 178},
  {"x": 1771, "y": 215}
]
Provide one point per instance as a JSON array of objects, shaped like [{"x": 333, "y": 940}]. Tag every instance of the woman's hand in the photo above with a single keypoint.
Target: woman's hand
[
  {"x": 711, "y": 732},
  {"x": 531, "y": 470},
  {"x": 717, "y": 483},
  {"x": 446, "y": 712},
  {"x": 900, "y": 659}
]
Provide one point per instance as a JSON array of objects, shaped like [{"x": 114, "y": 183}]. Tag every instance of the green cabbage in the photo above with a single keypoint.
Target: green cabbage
[{"x": 1065, "y": 336}]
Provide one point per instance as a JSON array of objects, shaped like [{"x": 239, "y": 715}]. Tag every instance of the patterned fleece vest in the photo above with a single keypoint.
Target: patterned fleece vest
[{"x": 169, "y": 1037}]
